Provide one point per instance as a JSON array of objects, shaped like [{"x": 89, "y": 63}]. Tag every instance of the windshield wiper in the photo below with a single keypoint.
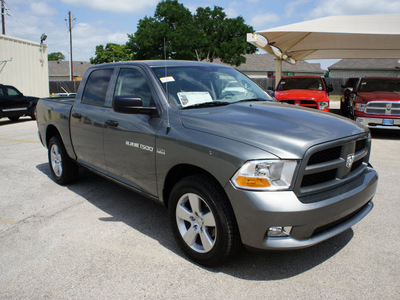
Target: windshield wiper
[
  {"x": 252, "y": 100},
  {"x": 207, "y": 104}
]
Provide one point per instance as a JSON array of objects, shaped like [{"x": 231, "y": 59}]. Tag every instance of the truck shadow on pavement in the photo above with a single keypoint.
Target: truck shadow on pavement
[
  {"x": 385, "y": 134},
  {"x": 151, "y": 219}
]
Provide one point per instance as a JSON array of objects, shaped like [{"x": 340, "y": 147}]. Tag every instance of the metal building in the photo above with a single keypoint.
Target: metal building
[{"x": 24, "y": 65}]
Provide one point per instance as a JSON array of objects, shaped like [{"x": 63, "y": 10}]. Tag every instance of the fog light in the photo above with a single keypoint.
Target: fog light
[{"x": 279, "y": 231}]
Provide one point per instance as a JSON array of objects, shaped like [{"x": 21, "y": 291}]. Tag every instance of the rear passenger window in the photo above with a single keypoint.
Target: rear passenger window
[
  {"x": 96, "y": 87},
  {"x": 132, "y": 83},
  {"x": 12, "y": 92}
]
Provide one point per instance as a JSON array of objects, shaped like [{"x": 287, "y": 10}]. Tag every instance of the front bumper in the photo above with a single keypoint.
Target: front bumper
[
  {"x": 382, "y": 123},
  {"x": 312, "y": 223}
]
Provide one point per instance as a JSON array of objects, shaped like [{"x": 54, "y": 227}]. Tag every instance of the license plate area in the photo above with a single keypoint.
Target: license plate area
[{"x": 388, "y": 122}]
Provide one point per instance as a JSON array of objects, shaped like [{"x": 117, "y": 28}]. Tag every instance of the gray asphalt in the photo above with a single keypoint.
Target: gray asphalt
[{"x": 96, "y": 240}]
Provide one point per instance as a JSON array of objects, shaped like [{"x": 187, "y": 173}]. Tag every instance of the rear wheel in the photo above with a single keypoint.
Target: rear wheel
[
  {"x": 33, "y": 113},
  {"x": 203, "y": 221},
  {"x": 63, "y": 168}
]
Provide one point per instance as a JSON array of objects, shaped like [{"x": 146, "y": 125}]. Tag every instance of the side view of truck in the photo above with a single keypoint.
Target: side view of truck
[
  {"x": 13, "y": 104},
  {"x": 232, "y": 166}
]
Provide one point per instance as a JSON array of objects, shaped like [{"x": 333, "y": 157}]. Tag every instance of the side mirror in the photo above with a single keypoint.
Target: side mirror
[
  {"x": 329, "y": 89},
  {"x": 132, "y": 105},
  {"x": 271, "y": 93}
]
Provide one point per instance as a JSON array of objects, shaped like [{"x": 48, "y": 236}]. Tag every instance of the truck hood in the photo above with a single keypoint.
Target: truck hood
[
  {"x": 379, "y": 96},
  {"x": 300, "y": 95},
  {"x": 281, "y": 129}
]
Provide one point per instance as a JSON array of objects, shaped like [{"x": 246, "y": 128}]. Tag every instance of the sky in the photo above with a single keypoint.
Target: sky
[{"x": 98, "y": 22}]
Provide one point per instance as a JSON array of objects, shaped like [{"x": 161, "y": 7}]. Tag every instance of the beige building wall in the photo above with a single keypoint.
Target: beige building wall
[{"x": 24, "y": 65}]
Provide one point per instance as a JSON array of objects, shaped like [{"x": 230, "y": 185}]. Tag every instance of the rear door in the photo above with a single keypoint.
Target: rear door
[
  {"x": 88, "y": 118},
  {"x": 130, "y": 139}
]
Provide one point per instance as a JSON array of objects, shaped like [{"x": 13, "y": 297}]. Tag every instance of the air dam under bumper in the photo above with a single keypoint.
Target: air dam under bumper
[{"x": 312, "y": 223}]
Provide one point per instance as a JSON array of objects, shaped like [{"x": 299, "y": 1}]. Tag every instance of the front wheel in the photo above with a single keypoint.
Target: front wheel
[
  {"x": 203, "y": 221},
  {"x": 63, "y": 168}
]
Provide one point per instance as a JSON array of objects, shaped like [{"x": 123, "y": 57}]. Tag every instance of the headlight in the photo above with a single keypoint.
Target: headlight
[
  {"x": 360, "y": 107},
  {"x": 323, "y": 105},
  {"x": 265, "y": 175}
]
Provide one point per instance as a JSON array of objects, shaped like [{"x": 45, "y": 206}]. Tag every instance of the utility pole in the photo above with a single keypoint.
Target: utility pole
[
  {"x": 3, "y": 12},
  {"x": 71, "y": 76}
]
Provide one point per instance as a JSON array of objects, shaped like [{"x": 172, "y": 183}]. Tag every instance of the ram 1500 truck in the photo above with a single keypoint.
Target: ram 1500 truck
[
  {"x": 308, "y": 91},
  {"x": 233, "y": 167},
  {"x": 375, "y": 102},
  {"x": 13, "y": 104}
]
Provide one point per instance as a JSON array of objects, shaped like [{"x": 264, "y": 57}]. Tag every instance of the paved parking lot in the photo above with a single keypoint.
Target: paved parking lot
[{"x": 97, "y": 240}]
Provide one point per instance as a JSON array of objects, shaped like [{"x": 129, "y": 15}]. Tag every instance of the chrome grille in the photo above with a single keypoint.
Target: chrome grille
[
  {"x": 306, "y": 103},
  {"x": 383, "y": 108},
  {"x": 330, "y": 165}
]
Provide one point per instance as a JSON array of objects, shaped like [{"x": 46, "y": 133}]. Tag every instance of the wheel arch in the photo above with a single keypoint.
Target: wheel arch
[
  {"x": 180, "y": 171},
  {"x": 50, "y": 132}
]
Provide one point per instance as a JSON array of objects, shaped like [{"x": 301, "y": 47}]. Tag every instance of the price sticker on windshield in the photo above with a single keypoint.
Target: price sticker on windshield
[{"x": 193, "y": 98}]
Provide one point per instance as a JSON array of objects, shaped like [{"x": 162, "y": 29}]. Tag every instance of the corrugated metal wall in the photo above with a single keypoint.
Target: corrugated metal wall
[{"x": 26, "y": 67}]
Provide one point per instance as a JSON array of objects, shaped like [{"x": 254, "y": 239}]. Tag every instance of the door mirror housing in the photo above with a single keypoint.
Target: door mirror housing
[{"x": 132, "y": 105}]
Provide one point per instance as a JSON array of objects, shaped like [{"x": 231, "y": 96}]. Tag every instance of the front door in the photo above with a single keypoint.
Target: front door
[{"x": 129, "y": 139}]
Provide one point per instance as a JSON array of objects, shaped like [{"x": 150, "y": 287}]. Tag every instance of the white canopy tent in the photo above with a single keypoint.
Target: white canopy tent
[{"x": 360, "y": 36}]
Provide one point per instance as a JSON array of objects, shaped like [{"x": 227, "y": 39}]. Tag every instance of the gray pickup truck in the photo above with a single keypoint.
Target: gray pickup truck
[{"x": 232, "y": 165}]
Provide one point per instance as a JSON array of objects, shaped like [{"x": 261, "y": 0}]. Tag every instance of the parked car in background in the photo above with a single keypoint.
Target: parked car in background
[
  {"x": 13, "y": 104},
  {"x": 308, "y": 91},
  {"x": 376, "y": 102},
  {"x": 348, "y": 87},
  {"x": 63, "y": 95}
]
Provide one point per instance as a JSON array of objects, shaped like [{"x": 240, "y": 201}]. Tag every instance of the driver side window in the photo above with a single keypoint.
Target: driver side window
[{"x": 132, "y": 83}]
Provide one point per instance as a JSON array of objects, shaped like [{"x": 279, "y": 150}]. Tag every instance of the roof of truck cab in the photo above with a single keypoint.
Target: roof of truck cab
[
  {"x": 159, "y": 63},
  {"x": 302, "y": 76}
]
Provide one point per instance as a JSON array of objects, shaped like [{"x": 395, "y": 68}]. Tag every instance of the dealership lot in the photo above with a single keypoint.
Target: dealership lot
[{"x": 95, "y": 239}]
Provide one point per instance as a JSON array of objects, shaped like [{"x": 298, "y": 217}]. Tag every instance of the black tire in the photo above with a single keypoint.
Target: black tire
[
  {"x": 33, "y": 113},
  {"x": 63, "y": 168},
  {"x": 14, "y": 119},
  {"x": 202, "y": 221}
]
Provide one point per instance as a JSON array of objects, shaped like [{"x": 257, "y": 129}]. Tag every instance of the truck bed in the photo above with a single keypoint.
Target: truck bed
[{"x": 55, "y": 113}]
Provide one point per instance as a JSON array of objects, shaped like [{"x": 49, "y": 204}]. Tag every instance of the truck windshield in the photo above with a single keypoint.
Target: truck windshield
[
  {"x": 210, "y": 85},
  {"x": 300, "y": 84},
  {"x": 380, "y": 85}
]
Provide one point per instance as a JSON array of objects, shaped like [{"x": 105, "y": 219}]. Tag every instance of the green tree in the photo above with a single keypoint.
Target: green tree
[
  {"x": 175, "y": 33},
  {"x": 111, "y": 53},
  {"x": 55, "y": 56},
  {"x": 166, "y": 34}
]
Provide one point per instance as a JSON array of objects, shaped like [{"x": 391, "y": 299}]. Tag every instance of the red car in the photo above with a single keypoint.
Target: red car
[
  {"x": 376, "y": 102},
  {"x": 308, "y": 91}
]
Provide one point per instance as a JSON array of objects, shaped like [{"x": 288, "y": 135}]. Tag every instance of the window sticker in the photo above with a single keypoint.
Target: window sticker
[
  {"x": 167, "y": 79},
  {"x": 193, "y": 98}
]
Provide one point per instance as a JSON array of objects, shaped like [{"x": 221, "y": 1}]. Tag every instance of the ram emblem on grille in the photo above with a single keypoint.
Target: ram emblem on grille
[{"x": 349, "y": 160}]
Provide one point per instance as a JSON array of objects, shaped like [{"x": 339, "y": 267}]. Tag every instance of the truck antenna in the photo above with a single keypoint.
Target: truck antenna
[{"x": 166, "y": 87}]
